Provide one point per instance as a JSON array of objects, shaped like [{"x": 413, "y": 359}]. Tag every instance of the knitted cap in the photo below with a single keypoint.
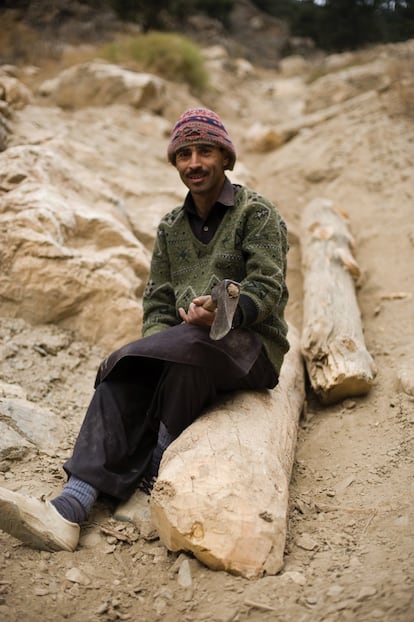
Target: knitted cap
[{"x": 200, "y": 125}]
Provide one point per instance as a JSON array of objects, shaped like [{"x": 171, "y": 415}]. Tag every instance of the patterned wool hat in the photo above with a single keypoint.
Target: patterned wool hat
[{"x": 200, "y": 125}]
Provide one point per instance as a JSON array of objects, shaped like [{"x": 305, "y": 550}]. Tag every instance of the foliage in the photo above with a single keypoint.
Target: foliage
[
  {"x": 151, "y": 15},
  {"x": 337, "y": 25},
  {"x": 169, "y": 55}
]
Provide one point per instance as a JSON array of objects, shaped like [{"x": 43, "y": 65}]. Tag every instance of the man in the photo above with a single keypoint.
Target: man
[{"x": 149, "y": 391}]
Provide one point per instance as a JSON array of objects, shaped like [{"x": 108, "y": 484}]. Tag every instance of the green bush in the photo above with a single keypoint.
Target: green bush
[{"x": 171, "y": 56}]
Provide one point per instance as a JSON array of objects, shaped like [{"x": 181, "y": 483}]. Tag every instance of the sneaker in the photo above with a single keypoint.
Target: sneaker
[{"x": 36, "y": 522}]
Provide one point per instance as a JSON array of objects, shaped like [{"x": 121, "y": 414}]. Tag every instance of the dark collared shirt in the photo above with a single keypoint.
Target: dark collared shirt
[{"x": 204, "y": 230}]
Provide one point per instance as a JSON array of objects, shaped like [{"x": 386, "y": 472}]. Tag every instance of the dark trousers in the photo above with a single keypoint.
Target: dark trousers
[{"x": 120, "y": 429}]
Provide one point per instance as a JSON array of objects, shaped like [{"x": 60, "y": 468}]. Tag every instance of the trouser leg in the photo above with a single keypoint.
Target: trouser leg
[
  {"x": 117, "y": 436},
  {"x": 119, "y": 433},
  {"x": 186, "y": 390}
]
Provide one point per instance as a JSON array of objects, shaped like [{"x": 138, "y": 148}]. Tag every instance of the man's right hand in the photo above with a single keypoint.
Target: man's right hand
[{"x": 197, "y": 313}]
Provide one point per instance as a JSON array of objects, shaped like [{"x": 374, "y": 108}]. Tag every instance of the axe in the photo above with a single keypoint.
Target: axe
[{"x": 224, "y": 299}]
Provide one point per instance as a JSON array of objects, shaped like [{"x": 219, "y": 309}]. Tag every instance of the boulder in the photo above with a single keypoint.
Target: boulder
[
  {"x": 14, "y": 92},
  {"x": 102, "y": 84},
  {"x": 335, "y": 88},
  {"x": 68, "y": 254}
]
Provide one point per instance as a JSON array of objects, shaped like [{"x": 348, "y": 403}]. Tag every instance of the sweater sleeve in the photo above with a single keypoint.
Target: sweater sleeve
[
  {"x": 159, "y": 298},
  {"x": 264, "y": 245}
]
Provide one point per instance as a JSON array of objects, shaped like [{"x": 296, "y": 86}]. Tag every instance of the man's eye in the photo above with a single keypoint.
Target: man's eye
[{"x": 181, "y": 155}]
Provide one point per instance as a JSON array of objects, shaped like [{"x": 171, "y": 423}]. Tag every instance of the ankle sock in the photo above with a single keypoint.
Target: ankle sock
[{"x": 76, "y": 500}]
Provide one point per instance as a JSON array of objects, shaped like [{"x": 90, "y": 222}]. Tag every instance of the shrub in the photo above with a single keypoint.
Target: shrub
[{"x": 171, "y": 56}]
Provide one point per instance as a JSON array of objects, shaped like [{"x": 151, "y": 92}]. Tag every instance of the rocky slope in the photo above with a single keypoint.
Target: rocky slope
[{"x": 81, "y": 189}]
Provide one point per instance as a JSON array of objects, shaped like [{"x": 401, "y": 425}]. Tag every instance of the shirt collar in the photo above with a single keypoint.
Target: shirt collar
[{"x": 226, "y": 197}]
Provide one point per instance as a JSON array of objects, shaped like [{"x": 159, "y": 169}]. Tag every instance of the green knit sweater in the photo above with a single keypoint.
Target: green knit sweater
[{"x": 250, "y": 246}]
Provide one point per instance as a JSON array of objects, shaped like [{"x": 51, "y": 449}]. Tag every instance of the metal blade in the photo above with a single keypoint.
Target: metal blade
[{"x": 226, "y": 295}]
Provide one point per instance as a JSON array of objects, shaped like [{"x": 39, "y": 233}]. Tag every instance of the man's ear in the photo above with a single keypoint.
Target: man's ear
[{"x": 226, "y": 158}]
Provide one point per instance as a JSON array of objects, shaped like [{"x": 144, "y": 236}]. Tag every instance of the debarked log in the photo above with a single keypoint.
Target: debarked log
[
  {"x": 223, "y": 486},
  {"x": 333, "y": 345}
]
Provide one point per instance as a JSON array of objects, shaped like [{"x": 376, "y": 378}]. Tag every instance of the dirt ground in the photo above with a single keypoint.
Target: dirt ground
[{"x": 350, "y": 546}]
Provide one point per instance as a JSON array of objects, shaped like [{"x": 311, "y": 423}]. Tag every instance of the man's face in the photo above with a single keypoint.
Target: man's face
[{"x": 201, "y": 168}]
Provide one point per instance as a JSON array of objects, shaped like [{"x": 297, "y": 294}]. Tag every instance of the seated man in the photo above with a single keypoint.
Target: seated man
[{"x": 149, "y": 391}]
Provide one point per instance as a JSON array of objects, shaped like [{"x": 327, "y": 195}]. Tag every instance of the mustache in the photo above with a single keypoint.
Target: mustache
[{"x": 196, "y": 169}]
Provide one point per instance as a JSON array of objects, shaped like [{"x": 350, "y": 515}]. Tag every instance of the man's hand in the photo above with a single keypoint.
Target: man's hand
[{"x": 197, "y": 313}]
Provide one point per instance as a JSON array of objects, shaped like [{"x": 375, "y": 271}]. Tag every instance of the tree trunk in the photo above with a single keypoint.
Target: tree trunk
[
  {"x": 222, "y": 491},
  {"x": 337, "y": 360}
]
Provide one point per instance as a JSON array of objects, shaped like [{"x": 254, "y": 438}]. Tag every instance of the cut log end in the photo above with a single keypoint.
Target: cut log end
[
  {"x": 350, "y": 387},
  {"x": 222, "y": 542}
]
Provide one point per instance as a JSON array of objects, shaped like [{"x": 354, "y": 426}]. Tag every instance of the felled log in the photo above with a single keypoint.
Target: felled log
[
  {"x": 222, "y": 490},
  {"x": 333, "y": 345}
]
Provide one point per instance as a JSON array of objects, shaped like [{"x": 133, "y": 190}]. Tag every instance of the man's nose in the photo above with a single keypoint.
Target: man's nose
[{"x": 195, "y": 157}]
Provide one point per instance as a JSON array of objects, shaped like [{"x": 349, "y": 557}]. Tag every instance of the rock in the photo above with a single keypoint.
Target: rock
[
  {"x": 14, "y": 92},
  {"x": 103, "y": 84},
  {"x": 366, "y": 591},
  {"x": 406, "y": 377},
  {"x": 5, "y": 114},
  {"x": 75, "y": 575},
  {"x": 294, "y": 65},
  {"x": 68, "y": 249},
  {"x": 305, "y": 541},
  {"x": 37, "y": 425},
  {"x": 261, "y": 139},
  {"x": 90, "y": 540},
  {"x": 261, "y": 36},
  {"x": 12, "y": 390},
  {"x": 295, "y": 576},
  {"x": 349, "y": 404},
  {"x": 184, "y": 574},
  {"x": 12, "y": 445},
  {"x": 343, "y": 85},
  {"x": 137, "y": 511}
]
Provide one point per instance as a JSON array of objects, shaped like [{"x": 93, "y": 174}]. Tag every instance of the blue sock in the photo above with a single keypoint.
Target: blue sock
[{"x": 76, "y": 500}]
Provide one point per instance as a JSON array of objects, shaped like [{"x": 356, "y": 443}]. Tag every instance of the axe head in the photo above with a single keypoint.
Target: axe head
[{"x": 225, "y": 296}]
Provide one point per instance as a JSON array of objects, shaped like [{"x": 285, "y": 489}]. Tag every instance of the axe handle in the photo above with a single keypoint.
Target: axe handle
[{"x": 232, "y": 290}]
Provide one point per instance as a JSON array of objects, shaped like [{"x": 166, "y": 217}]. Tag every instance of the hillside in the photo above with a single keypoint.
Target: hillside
[{"x": 83, "y": 182}]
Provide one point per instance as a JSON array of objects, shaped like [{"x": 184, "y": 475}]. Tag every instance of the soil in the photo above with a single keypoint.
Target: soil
[{"x": 350, "y": 546}]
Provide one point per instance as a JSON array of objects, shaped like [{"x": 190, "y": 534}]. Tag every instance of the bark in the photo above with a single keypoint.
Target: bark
[
  {"x": 337, "y": 361},
  {"x": 222, "y": 491}
]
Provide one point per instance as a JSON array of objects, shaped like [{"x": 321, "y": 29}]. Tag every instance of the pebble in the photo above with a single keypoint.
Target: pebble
[
  {"x": 365, "y": 592},
  {"x": 297, "y": 577},
  {"x": 335, "y": 590},
  {"x": 349, "y": 404},
  {"x": 41, "y": 591},
  {"x": 305, "y": 541},
  {"x": 89, "y": 540},
  {"x": 406, "y": 378},
  {"x": 311, "y": 600},
  {"x": 184, "y": 574},
  {"x": 75, "y": 575},
  {"x": 378, "y": 614}
]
